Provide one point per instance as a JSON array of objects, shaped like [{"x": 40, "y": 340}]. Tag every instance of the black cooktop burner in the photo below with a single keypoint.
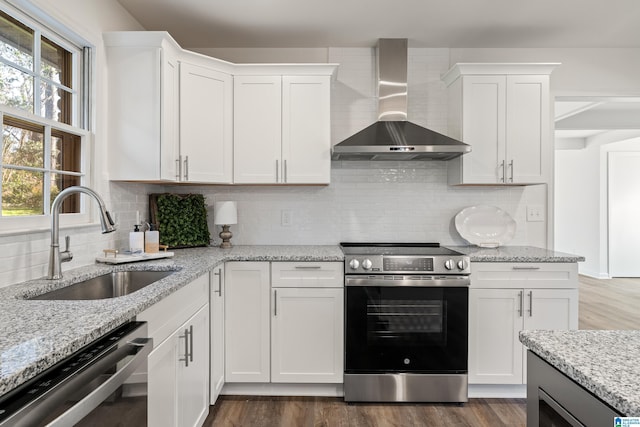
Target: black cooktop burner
[{"x": 412, "y": 248}]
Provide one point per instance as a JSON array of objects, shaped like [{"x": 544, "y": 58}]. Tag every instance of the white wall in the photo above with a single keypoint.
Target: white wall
[
  {"x": 581, "y": 222},
  {"x": 25, "y": 256},
  {"x": 583, "y": 71}
]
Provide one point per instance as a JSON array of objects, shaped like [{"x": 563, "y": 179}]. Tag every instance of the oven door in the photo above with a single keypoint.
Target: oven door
[{"x": 416, "y": 329}]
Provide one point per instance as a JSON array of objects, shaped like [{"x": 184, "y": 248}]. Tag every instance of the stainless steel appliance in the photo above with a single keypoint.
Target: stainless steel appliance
[
  {"x": 393, "y": 137},
  {"x": 406, "y": 323},
  {"x": 88, "y": 388}
]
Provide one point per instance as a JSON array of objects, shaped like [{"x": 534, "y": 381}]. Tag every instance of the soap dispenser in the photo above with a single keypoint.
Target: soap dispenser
[
  {"x": 151, "y": 240},
  {"x": 136, "y": 240}
]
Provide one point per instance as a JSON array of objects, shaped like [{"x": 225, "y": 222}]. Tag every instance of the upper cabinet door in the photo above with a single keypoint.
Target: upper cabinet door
[
  {"x": 206, "y": 125},
  {"x": 527, "y": 128},
  {"x": 143, "y": 112},
  {"x": 306, "y": 129},
  {"x": 483, "y": 127},
  {"x": 257, "y": 129},
  {"x": 169, "y": 137}
]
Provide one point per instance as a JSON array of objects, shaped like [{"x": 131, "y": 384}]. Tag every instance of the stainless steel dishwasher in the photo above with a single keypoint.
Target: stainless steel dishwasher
[{"x": 94, "y": 387}]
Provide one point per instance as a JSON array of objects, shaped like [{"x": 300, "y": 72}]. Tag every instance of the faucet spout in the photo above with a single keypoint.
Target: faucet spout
[{"x": 55, "y": 258}]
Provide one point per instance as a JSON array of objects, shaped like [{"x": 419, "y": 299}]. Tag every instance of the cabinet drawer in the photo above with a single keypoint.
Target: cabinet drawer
[
  {"x": 524, "y": 275},
  {"x": 307, "y": 274},
  {"x": 170, "y": 313}
]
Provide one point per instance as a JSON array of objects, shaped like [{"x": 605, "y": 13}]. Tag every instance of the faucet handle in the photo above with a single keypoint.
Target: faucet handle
[{"x": 66, "y": 256}]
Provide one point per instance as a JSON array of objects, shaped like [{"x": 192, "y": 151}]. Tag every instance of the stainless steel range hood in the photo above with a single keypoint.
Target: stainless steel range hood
[{"x": 392, "y": 137}]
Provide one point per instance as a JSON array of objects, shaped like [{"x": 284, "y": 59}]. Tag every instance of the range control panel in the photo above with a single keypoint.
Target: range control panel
[{"x": 454, "y": 264}]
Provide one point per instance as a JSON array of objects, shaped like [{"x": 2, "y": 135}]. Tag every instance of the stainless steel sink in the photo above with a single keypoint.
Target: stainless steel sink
[{"x": 110, "y": 285}]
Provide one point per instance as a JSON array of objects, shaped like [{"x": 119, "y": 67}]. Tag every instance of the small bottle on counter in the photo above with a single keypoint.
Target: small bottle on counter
[
  {"x": 151, "y": 240},
  {"x": 136, "y": 240}
]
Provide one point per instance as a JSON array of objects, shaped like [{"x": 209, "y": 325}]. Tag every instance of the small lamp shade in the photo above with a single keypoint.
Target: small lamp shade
[{"x": 225, "y": 214}]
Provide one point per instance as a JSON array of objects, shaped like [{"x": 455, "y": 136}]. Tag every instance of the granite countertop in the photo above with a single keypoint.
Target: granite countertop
[
  {"x": 606, "y": 363},
  {"x": 515, "y": 254},
  {"x": 37, "y": 334}
]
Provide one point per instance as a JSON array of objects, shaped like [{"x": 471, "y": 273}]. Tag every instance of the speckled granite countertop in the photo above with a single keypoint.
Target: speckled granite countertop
[
  {"x": 515, "y": 254},
  {"x": 37, "y": 334},
  {"x": 607, "y": 363}
]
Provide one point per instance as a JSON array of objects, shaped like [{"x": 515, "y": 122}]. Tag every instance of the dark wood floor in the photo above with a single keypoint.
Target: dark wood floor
[{"x": 603, "y": 304}]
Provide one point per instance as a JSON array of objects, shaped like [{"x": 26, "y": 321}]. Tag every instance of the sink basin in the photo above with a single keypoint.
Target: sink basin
[{"x": 110, "y": 285}]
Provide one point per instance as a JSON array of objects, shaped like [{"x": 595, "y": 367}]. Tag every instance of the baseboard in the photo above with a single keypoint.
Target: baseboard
[
  {"x": 271, "y": 389},
  {"x": 497, "y": 391}
]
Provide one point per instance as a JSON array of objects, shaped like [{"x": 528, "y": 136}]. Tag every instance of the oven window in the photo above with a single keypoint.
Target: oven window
[
  {"x": 406, "y": 329},
  {"x": 405, "y": 321}
]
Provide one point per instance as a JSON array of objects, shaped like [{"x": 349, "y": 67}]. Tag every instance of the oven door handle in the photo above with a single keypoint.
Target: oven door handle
[{"x": 140, "y": 347}]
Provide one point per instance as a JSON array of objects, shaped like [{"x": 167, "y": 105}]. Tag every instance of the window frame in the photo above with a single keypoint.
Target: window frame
[{"x": 81, "y": 115}]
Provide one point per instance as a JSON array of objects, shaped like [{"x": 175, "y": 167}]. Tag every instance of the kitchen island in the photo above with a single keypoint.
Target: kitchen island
[
  {"x": 38, "y": 334},
  {"x": 605, "y": 363}
]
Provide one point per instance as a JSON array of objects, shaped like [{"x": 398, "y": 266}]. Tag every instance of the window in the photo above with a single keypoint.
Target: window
[{"x": 44, "y": 146}]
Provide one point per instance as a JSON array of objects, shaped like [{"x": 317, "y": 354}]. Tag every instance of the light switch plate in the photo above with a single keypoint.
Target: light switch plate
[
  {"x": 286, "y": 218},
  {"x": 535, "y": 213}
]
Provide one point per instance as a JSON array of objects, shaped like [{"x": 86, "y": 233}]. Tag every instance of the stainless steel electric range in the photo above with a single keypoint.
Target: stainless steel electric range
[{"x": 406, "y": 323}]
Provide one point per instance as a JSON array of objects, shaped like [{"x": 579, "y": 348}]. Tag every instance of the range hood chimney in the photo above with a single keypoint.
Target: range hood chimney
[{"x": 393, "y": 137}]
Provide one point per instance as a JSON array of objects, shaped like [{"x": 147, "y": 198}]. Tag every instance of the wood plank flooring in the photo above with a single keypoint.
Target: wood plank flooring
[{"x": 603, "y": 304}]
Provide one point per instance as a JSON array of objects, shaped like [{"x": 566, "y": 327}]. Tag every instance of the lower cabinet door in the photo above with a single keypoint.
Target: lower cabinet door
[
  {"x": 193, "y": 370},
  {"x": 307, "y": 335},
  {"x": 217, "y": 333},
  {"x": 162, "y": 402},
  {"x": 246, "y": 322},
  {"x": 495, "y": 320}
]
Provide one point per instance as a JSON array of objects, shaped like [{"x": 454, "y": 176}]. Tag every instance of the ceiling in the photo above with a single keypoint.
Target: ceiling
[
  {"x": 426, "y": 23},
  {"x": 580, "y": 118}
]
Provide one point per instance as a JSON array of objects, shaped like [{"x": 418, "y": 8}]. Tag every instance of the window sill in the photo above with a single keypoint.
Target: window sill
[{"x": 36, "y": 230}]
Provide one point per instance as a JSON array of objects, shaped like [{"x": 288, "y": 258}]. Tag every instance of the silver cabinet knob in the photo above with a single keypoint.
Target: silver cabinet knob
[
  {"x": 462, "y": 265},
  {"x": 366, "y": 264},
  {"x": 448, "y": 264},
  {"x": 354, "y": 264}
]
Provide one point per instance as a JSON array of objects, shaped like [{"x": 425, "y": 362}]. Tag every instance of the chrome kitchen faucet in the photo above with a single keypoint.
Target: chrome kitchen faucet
[{"x": 56, "y": 258}]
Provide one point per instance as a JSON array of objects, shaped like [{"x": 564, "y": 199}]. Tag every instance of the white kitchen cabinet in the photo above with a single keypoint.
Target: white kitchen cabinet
[
  {"x": 503, "y": 112},
  {"x": 282, "y": 129},
  {"x": 506, "y": 298},
  {"x": 193, "y": 370},
  {"x": 143, "y": 106},
  {"x": 216, "y": 304},
  {"x": 178, "y": 366},
  {"x": 247, "y": 322},
  {"x": 206, "y": 125},
  {"x": 287, "y": 334},
  {"x": 307, "y": 331}
]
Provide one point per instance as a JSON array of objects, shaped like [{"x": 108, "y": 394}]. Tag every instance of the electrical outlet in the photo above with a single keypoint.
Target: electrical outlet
[
  {"x": 286, "y": 218},
  {"x": 535, "y": 213}
]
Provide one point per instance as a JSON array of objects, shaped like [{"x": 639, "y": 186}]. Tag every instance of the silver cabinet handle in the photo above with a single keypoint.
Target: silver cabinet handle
[
  {"x": 186, "y": 168},
  {"x": 285, "y": 170},
  {"x": 275, "y": 302},
  {"x": 191, "y": 343},
  {"x": 502, "y": 178},
  {"x": 178, "y": 173},
  {"x": 219, "y": 274},
  {"x": 308, "y": 267},
  {"x": 520, "y": 299},
  {"x": 518, "y": 267},
  {"x": 530, "y": 303},
  {"x": 511, "y": 168},
  {"x": 186, "y": 348},
  {"x": 277, "y": 171}
]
